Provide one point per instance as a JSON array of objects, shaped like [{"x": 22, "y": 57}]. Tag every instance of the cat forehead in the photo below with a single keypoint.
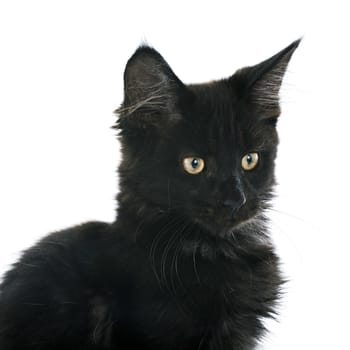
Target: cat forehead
[
  {"x": 215, "y": 93},
  {"x": 220, "y": 120},
  {"x": 216, "y": 106},
  {"x": 212, "y": 104}
]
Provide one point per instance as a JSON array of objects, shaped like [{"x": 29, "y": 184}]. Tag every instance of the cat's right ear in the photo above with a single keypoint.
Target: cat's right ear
[{"x": 151, "y": 90}]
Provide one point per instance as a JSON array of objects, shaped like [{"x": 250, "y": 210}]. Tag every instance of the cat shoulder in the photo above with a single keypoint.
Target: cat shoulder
[{"x": 61, "y": 255}]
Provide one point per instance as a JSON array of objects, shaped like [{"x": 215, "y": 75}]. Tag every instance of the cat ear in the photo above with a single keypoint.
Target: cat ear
[
  {"x": 263, "y": 81},
  {"x": 151, "y": 89}
]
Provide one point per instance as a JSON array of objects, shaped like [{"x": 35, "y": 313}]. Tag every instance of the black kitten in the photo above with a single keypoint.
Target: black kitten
[{"x": 188, "y": 263}]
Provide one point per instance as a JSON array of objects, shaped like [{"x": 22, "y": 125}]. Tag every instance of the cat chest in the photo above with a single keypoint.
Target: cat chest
[
  {"x": 194, "y": 300},
  {"x": 182, "y": 305}
]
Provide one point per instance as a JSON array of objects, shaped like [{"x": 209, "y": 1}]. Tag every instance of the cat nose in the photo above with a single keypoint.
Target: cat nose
[{"x": 235, "y": 204}]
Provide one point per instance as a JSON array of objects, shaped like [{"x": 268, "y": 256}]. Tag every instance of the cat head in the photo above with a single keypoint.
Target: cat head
[{"x": 202, "y": 151}]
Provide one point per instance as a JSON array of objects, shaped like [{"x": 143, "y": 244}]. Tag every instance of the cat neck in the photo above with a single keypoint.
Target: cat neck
[{"x": 142, "y": 226}]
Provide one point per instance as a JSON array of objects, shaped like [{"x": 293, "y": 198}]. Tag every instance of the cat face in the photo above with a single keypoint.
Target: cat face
[{"x": 205, "y": 152}]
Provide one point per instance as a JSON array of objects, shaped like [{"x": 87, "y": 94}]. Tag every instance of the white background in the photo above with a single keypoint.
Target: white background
[{"x": 61, "y": 66}]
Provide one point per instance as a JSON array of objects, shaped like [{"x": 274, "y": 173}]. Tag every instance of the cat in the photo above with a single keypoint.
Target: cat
[{"x": 188, "y": 263}]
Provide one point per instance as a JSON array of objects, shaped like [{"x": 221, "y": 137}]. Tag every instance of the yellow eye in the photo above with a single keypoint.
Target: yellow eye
[
  {"x": 193, "y": 165},
  {"x": 250, "y": 161}
]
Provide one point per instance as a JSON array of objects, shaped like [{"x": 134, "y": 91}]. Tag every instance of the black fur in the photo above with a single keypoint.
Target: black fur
[{"x": 188, "y": 263}]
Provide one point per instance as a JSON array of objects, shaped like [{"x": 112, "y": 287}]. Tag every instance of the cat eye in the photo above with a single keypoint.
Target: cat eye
[
  {"x": 250, "y": 161},
  {"x": 193, "y": 165}
]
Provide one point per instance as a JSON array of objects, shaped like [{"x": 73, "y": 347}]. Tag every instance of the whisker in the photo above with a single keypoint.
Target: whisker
[
  {"x": 174, "y": 264},
  {"x": 138, "y": 228},
  {"x": 169, "y": 224},
  {"x": 287, "y": 214},
  {"x": 165, "y": 254},
  {"x": 295, "y": 217},
  {"x": 169, "y": 201},
  {"x": 195, "y": 264}
]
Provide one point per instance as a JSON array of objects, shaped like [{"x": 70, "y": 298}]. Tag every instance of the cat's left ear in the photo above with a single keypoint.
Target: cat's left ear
[
  {"x": 260, "y": 84},
  {"x": 151, "y": 90}
]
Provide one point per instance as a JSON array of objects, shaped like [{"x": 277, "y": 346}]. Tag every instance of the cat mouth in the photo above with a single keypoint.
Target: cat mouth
[{"x": 223, "y": 222}]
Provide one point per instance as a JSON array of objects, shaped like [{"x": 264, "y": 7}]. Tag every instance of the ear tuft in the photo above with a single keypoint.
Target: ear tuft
[
  {"x": 263, "y": 81},
  {"x": 150, "y": 86}
]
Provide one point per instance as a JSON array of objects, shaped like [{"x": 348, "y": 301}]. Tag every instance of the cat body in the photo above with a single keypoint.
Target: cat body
[{"x": 188, "y": 263}]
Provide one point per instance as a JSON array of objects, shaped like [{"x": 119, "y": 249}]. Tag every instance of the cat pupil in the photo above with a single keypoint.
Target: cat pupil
[
  {"x": 194, "y": 163},
  {"x": 249, "y": 159}
]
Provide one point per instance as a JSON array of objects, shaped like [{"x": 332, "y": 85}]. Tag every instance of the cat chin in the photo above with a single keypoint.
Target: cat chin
[
  {"x": 254, "y": 224},
  {"x": 218, "y": 228}
]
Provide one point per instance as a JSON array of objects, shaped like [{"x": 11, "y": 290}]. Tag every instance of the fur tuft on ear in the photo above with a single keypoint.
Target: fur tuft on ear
[
  {"x": 263, "y": 81},
  {"x": 150, "y": 89}
]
